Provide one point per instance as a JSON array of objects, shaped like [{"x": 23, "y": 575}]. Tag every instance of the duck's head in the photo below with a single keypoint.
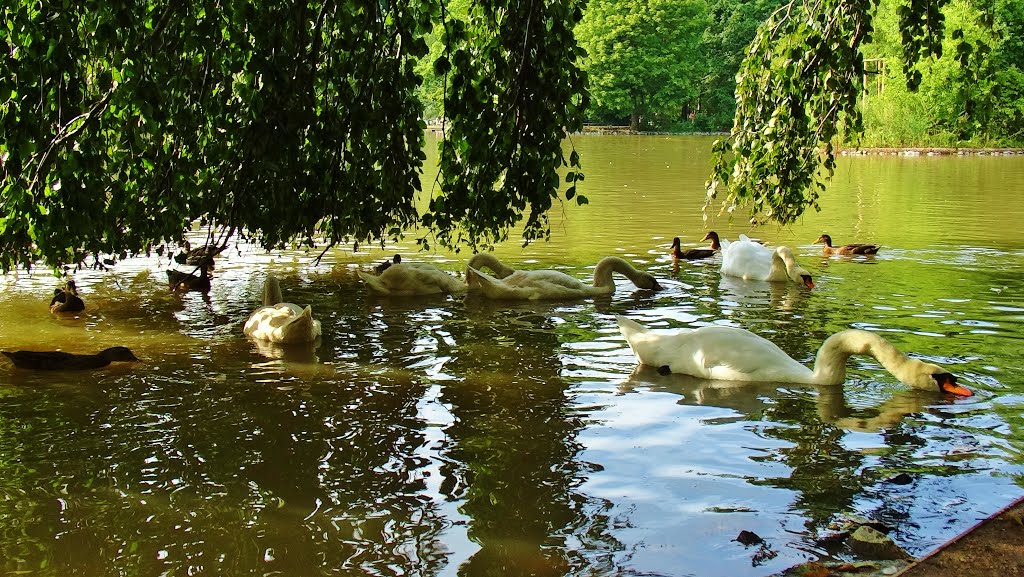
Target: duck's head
[
  {"x": 118, "y": 354},
  {"x": 713, "y": 237},
  {"x": 824, "y": 239}
]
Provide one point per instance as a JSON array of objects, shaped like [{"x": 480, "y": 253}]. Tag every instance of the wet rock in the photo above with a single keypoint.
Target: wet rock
[
  {"x": 901, "y": 479},
  {"x": 749, "y": 538},
  {"x": 873, "y": 544}
]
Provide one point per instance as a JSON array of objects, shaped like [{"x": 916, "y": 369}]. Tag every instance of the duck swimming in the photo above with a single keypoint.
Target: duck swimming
[
  {"x": 735, "y": 354},
  {"x": 387, "y": 264},
  {"x": 180, "y": 281},
  {"x": 678, "y": 253},
  {"x": 59, "y": 360},
  {"x": 553, "y": 284},
  {"x": 66, "y": 300},
  {"x": 828, "y": 249}
]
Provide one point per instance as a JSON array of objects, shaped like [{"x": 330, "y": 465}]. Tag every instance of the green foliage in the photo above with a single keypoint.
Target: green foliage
[
  {"x": 971, "y": 95},
  {"x": 642, "y": 59},
  {"x": 723, "y": 44},
  {"x": 514, "y": 94},
  {"x": 796, "y": 88},
  {"x": 124, "y": 124}
]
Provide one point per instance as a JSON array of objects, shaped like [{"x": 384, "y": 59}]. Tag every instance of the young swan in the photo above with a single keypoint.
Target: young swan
[
  {"x": 553, "y": 284},
  {"x": 414, "y": 279},
  {"x": 749, "y": 260},
  {"x": 734, "y": 354},
  {"x": 281, "y": 322}
]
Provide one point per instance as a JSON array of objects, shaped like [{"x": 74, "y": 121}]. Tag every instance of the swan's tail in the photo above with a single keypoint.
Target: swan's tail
[{"x": 479, "y": 279}]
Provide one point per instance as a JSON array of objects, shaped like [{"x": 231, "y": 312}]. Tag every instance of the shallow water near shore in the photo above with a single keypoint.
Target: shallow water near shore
[{"x": 459, "y": 436}]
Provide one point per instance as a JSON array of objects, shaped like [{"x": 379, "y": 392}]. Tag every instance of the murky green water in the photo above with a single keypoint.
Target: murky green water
[{"x": 455, "y": 436}]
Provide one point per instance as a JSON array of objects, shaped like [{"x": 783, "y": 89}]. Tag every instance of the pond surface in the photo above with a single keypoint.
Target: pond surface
[{"x": 457, "y": 436}]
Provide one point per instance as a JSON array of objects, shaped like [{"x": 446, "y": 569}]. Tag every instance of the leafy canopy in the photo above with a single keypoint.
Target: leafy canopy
[
  {"x": 796, "y": 91},
  {"x": 124, "y": 123}
]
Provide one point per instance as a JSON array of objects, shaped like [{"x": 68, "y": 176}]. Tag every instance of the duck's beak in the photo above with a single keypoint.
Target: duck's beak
[{"x": 706, "y": 237}]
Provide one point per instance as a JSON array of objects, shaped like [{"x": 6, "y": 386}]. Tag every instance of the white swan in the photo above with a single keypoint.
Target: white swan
[
  {"x": 418, "y": 278},
  {"x": 749, "y": 260},
  {"x": 281, "y": 322},
  {"x": 734, "y": 354},
  {"x": 553, "y": 284}
]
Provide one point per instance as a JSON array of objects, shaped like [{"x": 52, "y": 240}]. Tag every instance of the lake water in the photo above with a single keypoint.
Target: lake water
[{"x": 456, "y": 436}]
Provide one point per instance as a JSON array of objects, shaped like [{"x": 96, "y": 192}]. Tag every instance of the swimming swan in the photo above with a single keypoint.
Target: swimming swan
[
  {"x": 412, "y": 279},
  {"x": 749, "y": 260},
  {"x": 281, "y": 322},
  {"x": 553, "y": 284},
  {"x": 734, "y": 354}
]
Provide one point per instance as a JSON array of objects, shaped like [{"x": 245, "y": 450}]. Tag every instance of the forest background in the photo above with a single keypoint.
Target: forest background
[{"x": 670, "y": 66}]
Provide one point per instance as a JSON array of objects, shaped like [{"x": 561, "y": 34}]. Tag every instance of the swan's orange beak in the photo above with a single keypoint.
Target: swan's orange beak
[
  {"x": 947, "y": 383},
  {"x": 808, "y": 281}
]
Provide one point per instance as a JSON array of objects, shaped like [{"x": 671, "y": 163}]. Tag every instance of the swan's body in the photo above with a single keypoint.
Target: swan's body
[
  {"x": 749, "y": 260},
  {"x": 59, "y": 360},
  {"x": 66, "y": 300},
  {"x": 828, "y": 249},
  {"x": 412, "y": 279},
  {"x": 734, "y": 354},
  {"x": 679, "y": 253},
  {"x": 553, "y": 284},
  {"x": 281, "y": 322}
]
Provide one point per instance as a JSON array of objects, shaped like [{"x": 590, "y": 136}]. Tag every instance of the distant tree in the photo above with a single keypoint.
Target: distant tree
[
  {"x": 642, "y": 56},
  {"x": 732, "y": 25}
]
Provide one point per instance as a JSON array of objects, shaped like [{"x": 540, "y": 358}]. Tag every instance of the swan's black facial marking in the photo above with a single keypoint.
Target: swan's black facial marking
[
  {"x": 664, "y": 370},
  {"x": 946, "y": 383},
  {"x": 808, "y": 281}
]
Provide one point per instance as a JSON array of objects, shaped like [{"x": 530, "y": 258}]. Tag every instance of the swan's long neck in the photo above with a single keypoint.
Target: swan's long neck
[
  {"x": 610, "y": 264},
  {"x": 272, "y": 292},
  {"x": 488, "y": 260},
  {"x": 830, "y": 364},
  {"x": 783, "y": 258}
]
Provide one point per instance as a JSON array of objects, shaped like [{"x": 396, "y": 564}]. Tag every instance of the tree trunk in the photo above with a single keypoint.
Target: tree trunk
[{"x": 634, "y": 122}]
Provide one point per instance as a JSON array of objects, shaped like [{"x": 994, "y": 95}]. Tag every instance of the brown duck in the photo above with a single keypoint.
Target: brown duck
[
  {"x": 846, "y": 248},
  {"x": 696, "y": 253},
  {"x": 180, "y": 281},
  {"x": 61, "y": 361},
  {"x": 66, "y": 300},
  {"x": 387, "y": 264}
]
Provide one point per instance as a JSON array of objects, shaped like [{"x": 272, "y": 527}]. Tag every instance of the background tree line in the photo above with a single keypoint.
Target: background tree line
[{"x": 670, "y": 65}]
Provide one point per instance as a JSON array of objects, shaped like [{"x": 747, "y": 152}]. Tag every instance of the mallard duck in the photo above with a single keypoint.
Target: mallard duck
[
  {"x": 828, "y": 249},
  {"x": 184, "y": 282},
  {"x": 387, "y": 264},
  {"x": 66, "y": 300},
  {"x": 553, "y": 284},
  {"x": 281, "y": 322},
  {"x": 749, "y": 260},
  {"x": 60, "y": 361},
  {"x": 413, "y": 279},
  {"x": 200, "y": 256},
  {"x": 735, "y": 354},
  {"x": 695, "y": 253}
]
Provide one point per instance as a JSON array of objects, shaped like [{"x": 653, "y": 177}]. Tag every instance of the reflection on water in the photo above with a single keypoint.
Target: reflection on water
[{"x": 460, "y": 436}]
